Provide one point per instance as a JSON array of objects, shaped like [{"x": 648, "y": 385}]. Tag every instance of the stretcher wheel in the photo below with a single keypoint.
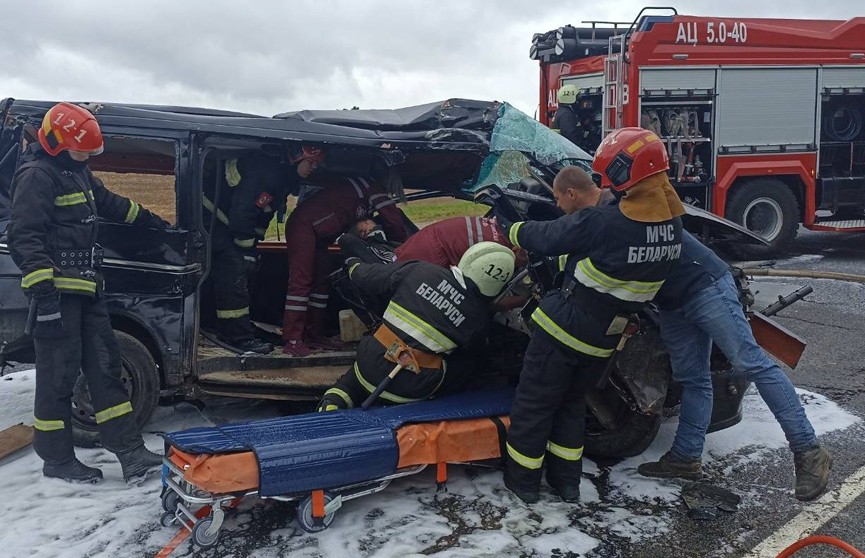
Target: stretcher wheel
[
  {"x": 200, "y": 536},
  {"x": 167, "y": 519},
  {"x": 305, "y": 519},
  {"x": 170, "y": 499}
]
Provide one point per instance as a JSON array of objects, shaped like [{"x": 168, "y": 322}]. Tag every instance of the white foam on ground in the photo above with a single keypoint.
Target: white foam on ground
[{"x": 476, "y": 517}]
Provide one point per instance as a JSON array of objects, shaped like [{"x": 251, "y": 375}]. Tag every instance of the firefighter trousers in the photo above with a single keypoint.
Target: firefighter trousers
[
  {"x": 307, "y": 295},
  {"x": 548, "y": 415},
  {"x": 86, "y": 345},
  {"x": 371, "y": 367},
  {"x": 231, "y": 270}
]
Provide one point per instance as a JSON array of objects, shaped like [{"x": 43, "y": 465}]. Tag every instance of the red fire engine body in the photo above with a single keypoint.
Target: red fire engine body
[{"x": 763, "y": 118}]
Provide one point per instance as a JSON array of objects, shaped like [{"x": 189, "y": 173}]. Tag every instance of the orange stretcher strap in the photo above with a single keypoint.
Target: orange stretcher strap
[
  {"x": 388, "y": 338},
  {"x": 449, "y": 441},
  {"x": 222, "y": 473}
]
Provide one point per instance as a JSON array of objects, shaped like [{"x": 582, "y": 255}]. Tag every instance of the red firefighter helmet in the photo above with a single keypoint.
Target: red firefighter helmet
[
  {"x": 314, "y": 154},
  {"x": 70, "y": 127},
  {"x": 629, "y": 155}
]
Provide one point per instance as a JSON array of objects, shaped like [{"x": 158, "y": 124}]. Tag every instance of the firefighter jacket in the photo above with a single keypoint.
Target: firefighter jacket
[
  {"x": 252, "y": 189},
  {"x": 56, "y": 204},
  {"x": 697, "y": 268},
  {"x": 445, "y": 242},
  {"x": 344, "y": 201},
  {"x": 431, "y": 308},
  {"x": 567, "y": 123},
  {"x": 614, "y": 266}
]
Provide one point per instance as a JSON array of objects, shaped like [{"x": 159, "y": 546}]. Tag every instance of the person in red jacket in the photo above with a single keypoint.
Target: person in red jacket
[
  {"x": 310, "y": 229},
  {"x": 444, "y": 243}
]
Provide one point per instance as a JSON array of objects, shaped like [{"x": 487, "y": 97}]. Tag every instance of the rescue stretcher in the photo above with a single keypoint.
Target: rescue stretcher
[{"x": 322, "y": 460}]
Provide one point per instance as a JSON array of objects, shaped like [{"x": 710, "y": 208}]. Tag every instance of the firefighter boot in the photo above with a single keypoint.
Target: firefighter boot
[
  {"x": 524, "y": 483},
  {"x": 671, "y": 466},
  {"x": 137, "y": 462},
  {"x": 72, "y": 471},
  {"x": 253, "y": 345},
  {"x": 564, "y": 478},
  {"x": 812, "y": 472}
]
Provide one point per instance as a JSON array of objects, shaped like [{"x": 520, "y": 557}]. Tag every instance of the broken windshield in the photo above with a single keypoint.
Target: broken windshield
[{"x": 516, "y": 141}]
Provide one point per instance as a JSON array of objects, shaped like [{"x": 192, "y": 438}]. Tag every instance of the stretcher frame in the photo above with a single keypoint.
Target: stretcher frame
[{"x": 182, "y": 502}]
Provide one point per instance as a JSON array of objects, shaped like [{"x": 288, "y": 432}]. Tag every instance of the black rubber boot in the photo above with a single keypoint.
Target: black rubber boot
[
  {"x": 670, "y": 466},
  {"x": 137, "y": 462},
  {"x": 524, "y": 483},
  {"x": 72, "y": 471},
  {"x": 527, "y": 494},
  {"x": 252, "y": 346},
  {"x": 564, "y": 476},
  {"x": 812, "y": 472}
]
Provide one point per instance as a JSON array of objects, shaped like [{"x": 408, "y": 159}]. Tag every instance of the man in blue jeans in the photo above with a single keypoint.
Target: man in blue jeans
[{"x": 699, "y": 304}]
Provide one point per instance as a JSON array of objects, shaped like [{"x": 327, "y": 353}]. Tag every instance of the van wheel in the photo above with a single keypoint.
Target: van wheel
[
  {"x": 767, "y": 207},
  {"x": 140, "y": 376}
]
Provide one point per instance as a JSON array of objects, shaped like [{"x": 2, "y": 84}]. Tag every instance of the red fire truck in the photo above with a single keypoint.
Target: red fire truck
[{"x": 762, "y": 118}]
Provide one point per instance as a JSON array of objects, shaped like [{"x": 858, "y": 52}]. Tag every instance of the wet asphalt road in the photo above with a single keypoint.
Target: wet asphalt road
[{"x": 832, "y": 320}]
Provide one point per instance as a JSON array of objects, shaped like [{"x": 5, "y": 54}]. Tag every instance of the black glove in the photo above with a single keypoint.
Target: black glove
[
  {"x": 49, "y": 322},
  {"x": 148, "y": 219}
]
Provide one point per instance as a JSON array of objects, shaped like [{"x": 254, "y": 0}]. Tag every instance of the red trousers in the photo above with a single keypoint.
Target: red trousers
[{"x": 307, "y": 295}]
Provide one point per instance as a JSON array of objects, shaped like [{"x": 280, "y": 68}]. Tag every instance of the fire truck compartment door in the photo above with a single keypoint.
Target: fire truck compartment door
[
  {"x": 587, "y": 82},
  {"x": 677, "y": 79},
  {"x": 844, "y": 77},
  {"x": 766, "y": 107}
]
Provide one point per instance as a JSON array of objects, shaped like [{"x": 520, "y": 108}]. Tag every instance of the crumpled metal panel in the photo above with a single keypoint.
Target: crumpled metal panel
[{"x": 329, "y": 450}]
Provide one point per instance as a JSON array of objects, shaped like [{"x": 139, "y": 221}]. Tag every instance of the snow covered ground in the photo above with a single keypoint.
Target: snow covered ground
[{"x": 475, "y": 517}]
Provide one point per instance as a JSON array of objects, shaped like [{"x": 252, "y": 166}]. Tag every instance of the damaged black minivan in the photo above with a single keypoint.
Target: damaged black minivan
[{"x": 156, "y": 281}]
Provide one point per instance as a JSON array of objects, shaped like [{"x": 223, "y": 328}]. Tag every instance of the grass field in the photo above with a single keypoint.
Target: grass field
[{"x": 156, "y": 193}]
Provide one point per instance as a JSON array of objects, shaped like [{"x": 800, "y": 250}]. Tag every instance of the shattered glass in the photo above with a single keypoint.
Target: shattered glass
[{"x": 516, "y": 141}]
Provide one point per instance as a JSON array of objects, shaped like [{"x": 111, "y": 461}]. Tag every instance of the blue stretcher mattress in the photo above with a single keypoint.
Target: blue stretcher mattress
[{"x": 316, "y": 451}]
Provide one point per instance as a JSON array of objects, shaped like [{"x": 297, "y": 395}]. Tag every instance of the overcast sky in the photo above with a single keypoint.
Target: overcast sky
[{"x": 268, "y": 57}]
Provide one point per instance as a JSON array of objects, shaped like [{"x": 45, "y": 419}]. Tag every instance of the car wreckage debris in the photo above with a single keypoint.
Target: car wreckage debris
[{"x": 704, "y": 500}]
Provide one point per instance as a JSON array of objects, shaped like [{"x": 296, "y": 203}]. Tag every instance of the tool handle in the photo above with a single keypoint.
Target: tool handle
[
  {"x": 31, "y": 317},
  {"x": 380, "y": 387}
]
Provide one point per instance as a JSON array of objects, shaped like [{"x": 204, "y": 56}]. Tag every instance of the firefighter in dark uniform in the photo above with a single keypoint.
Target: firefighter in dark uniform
[
  {"x": 433, "y": 312},
  {"x": 566, "y": 121},
  {"x": 310, "y": 229},
  {"x": 56, "y": 203},
  {"x": 575, "y": 122},
  {"x": 252, "y": 188},
  {"x": 617, "y": 258}
]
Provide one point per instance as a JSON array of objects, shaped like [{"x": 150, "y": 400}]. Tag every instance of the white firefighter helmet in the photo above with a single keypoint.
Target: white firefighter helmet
[
  {"x": 567, "y": 94},
  {"x": 489, "y": 265}
]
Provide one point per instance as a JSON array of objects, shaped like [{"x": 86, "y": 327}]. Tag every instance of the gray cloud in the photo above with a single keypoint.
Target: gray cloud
[{"x": 273, "y": 56}]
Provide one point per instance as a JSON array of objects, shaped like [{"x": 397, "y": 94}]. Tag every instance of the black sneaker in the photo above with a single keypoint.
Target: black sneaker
[
  {"x": 137, "y": 463},
  {"x": 72, "y": 471},
  {"x": 812, "y": 472},
  {"x": 670, "y": 466}
]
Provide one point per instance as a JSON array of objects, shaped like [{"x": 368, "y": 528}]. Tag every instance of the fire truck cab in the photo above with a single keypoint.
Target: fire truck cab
[{"x": 764, "y": 119}]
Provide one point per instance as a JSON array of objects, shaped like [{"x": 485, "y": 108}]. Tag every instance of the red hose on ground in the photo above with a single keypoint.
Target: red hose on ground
[{"x": 820, "y": 539}]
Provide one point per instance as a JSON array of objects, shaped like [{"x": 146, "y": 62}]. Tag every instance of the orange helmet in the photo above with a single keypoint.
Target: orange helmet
[
  {"x": 629, "y": 155},
  {"x": 310, "y": 152},
  {"x": 70, "y": 127}
]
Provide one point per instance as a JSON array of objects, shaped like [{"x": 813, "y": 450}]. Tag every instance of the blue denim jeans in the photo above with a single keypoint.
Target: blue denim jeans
[{"x": 716, "y": 314}]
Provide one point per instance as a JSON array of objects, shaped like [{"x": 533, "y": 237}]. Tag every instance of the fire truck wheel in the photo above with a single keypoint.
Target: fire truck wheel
[
  {"x": 140, "y": 376},
  {"x": 767, "y": 207}
]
